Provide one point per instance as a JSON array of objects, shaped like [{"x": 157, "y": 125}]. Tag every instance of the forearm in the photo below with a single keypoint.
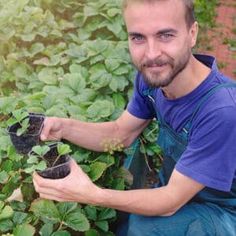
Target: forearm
[
  {"x": 92, "y": 136},
  {"x": 96, "y": 136},
  {"x": 150, "y": 202}
]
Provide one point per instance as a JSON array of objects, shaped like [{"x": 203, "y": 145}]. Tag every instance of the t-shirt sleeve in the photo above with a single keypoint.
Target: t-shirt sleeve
[
  {"x": 210, "y": 157},
  {"x": 139, "y": 104}
]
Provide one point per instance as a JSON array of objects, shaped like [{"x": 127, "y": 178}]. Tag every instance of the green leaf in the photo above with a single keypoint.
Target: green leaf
[
  {"x": 65, "y": 208},
  {"x": 91, "y": 212},
  {"x": 40, "y": 150},
  {"x": 92, "y": 232},
  {"x": 19, "y": 217},
  {"x": 21, "y": 71},
  {"x": 36, "y": 48},
  {"x": 113, "y": 11},
  {"x": 46, "y": 230},
  {"x": 6, "y": 225},
  {"x": 99, "y": 77},
  {"x": 61, "y": 233},
  {"x": 41, "y": 166},
  {"x": 96, "y": 170},
  {"x": 112, "y": 64},
  {"x": 118, "y": 83},
  {"x": 50, "y": 75},
  {"x": 32, "y": 159},
  {"x": 86, "y": 95},
  {"x": 6, "y": 213},
  {"x": 77, "y": 221},
  {"x": 100, "y": 109},
  {"x": 106, "y": 158},
  {"x": 119, "y": 100},
  {"x": 90, "y": 11},
  {"x": 23, "y": 230},
  {"x": 45, "y": 208},
  {"x": 3, "y": 176},
  {"x": 106, "y": 214},
  {"x": 103, "y": 225},
  {"x": 75, "y": 81},
  {"x": 63, "y": 149}
]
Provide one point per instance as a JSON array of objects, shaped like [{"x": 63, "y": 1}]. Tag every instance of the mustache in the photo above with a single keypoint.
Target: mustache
[{"x": 156, "y": 62}]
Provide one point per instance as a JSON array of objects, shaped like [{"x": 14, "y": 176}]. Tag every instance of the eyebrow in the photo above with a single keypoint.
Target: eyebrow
[
  {"x": 168, "y": 30},
  {"x": 160, "y": 32},
  {"x": 132, "y": 34}
]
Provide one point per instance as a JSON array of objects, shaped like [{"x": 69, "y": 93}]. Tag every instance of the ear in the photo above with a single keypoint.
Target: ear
[{"x": 193, "y": 33}]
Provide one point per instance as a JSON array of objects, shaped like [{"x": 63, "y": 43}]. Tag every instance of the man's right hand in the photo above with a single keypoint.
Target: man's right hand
[{"x": 52, "y": 129}]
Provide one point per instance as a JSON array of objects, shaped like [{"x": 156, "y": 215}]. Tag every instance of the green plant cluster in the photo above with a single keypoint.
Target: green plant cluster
[{"x": 63, "y": 58}]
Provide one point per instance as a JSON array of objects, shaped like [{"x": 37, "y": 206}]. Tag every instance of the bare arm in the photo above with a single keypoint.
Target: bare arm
[
  {"x": 77, "y": 187},
  {"x": 92, "y": 135},
  {"x": 158, "y": 201}
]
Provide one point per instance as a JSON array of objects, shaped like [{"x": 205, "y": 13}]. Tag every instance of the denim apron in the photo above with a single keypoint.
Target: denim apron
[{"x": 210, "y": 212}]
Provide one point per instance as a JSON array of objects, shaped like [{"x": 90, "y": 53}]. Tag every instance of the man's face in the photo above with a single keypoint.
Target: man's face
[{"x": 159, "y": 41}]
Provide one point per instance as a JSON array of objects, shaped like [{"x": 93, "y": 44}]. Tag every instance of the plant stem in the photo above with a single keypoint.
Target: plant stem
[
  {"x": 145, "y": 157},
  {"x": 56, "y": 160}
]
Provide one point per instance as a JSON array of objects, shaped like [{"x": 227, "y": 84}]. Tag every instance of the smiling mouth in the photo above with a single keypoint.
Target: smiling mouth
[{"x": 156, "y": 65}]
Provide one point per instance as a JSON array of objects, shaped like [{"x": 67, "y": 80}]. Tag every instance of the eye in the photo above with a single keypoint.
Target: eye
[
  {"x": 137, "y": 38},
  {"x": 166, "y": 36}
]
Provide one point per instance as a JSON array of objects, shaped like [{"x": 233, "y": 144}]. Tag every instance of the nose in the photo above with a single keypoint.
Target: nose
[{"x": 153, "y": 49}]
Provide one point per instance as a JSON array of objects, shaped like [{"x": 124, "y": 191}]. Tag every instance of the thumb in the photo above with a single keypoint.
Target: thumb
[
  {"x": 45, "y": 131},
  {"x": 75, "y": 168}
]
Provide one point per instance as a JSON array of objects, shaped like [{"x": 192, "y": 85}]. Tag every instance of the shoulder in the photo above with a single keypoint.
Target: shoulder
[{"x": 216, "y": 107}]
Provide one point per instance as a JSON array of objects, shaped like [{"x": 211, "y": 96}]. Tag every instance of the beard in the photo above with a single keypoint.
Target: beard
[{"x": 163, "y": 78}]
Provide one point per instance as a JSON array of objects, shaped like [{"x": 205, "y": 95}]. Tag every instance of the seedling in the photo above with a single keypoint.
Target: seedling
[
  {"x": 62, "y": 149},
  {"x": 24, "y": 129},
  {"x": 21, "y": 117},
  {"x": 36, "y": 158},
  {"x": 42, "y": 157}
]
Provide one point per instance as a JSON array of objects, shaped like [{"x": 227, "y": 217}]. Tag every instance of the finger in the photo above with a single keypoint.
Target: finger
[
  {"x": 55, "y": 198},
  {"x": 74, "y": 167},
  {"x": 45, "y": 131},
  {"x": 41, "y": 182},
  {"x": 54, "y": 191}
]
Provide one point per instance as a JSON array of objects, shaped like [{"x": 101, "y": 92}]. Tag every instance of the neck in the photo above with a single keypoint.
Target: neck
[{"x": 189, "y": 79}]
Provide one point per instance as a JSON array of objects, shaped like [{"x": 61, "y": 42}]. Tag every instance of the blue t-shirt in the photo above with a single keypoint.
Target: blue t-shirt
[{"x": 210, "y": 156}]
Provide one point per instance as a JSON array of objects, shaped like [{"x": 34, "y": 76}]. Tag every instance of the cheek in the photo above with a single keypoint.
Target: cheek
[
  {"x": 136, "y": 53},
  {"x": 177, "y": 49}
]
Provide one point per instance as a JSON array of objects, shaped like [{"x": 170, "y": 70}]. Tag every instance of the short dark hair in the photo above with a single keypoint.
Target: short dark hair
[{"x": 189, "y": 8}]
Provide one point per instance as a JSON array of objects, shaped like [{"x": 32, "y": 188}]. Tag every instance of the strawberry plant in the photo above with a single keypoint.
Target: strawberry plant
[
  {"x": 51, "y": 161},
  {"x": 22, "y": 118},
  {"x": 24, "y": 129}
]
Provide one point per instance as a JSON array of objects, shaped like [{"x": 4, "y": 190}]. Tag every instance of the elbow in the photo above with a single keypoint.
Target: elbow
[
  {"x": 169, "y": 213},
  {"x": 165, "y": 213},
  {"x": 127, "y": 142}
]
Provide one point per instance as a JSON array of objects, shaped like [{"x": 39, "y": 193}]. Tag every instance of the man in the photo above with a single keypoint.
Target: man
[{"x": 195, "y": 106}]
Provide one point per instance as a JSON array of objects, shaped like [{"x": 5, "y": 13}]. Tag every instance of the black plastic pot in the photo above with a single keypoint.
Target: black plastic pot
[
  {"x": 26, "y": 141},
  {"x": 60, "y": 169}
]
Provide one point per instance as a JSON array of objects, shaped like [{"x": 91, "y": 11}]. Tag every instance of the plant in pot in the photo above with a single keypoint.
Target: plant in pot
[
  {"x": 50, "y": 161},
  {"x": 24, "y": 129}
]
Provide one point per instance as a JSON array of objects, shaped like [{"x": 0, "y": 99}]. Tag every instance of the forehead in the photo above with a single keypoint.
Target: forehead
[{"x": 159, "y": 14}]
